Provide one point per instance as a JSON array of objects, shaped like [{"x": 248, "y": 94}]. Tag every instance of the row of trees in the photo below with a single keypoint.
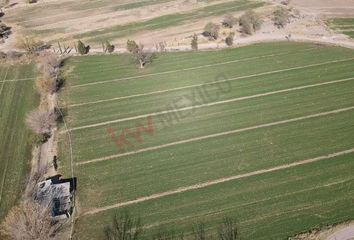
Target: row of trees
[{"x": 125, "y": 227}]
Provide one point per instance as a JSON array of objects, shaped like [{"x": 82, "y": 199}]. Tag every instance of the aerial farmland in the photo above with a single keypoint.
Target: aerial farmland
[{"x": 162, "y": 120}]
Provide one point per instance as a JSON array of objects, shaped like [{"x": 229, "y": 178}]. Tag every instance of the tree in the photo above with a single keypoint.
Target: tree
[
  {"x": 30, "y": 221},
  {"x": 250, "y": 22},
  {"x": 194, "y": 43},
  {"x": 142, "y": 57},
  {"x": 82, "y": 49},
  {"x": 108, "y": 47},
  {"x": 132, "y": 46},
  {"x": 41, "y": 121},
  {"x": 281, "y": 17},
  {"x": 228, "y": 230},
  {"x": 211, "y": 30},
  {"x": 230, "y": 39},
  {"x": 229, "y": 21},
  {"x": 124, "y": 227}
]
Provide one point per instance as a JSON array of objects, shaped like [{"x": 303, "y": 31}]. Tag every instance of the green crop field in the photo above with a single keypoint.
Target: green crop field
[
  {"x": 343, "y": 25},
  {"x": 17, "y": 98},
  {"x": 263, "y": 134}
]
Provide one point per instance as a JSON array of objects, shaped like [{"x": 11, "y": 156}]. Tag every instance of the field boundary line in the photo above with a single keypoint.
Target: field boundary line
[
  {"x": 154, "y": 114},
  {"x": 195, "y": 139},
  {"x": 219, "y": 181},
  {"x": 186, "y": 69},
  {"x": 7, "y": 160},
  {"x": 17, "y": 80},
  {"x": 3, "y": 83},
  {"x": 71, "y": 168}
]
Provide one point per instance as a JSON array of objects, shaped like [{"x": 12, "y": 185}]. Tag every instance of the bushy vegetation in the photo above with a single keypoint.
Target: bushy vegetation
[
  {"x": 250, "y": 22},
  {"x": 82, "y": 48},
  {"x": 108, "y": 47},
  {"x": 211, "y": 30},
  {"x": 132, "y": 46},
  {"x": 281, "y": 17},
  {"x": 30, "y": 44},
  {"x": 49, "y": 79},
  {"x": 229, "y": 21}
]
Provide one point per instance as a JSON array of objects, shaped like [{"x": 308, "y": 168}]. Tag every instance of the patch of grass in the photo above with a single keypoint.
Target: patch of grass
[
  {"x": 16, "y": 100},
  {"x": 343, "y": 25}
]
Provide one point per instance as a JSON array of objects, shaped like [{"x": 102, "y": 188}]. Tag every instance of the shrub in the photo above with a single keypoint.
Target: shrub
[
  {"x": 229, "y": 21},
  {"x": 211, "y": 30},
  {"x": 194, "y": 43},
  {"x": 132, "y": 46},
  {"x": 82, "y": 49},
  {"x": 250, "y": 22},
  {"x": 49, "y": 79},
  {"x": 30, "y": 44},
  {"x": 281, "y": 17},
  {"x": 230, "y": 39},
  {"x": 108, "y": 47}
]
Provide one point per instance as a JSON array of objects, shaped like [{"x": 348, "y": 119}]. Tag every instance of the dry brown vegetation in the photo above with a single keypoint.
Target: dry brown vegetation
[
  {"x": 30, "y": 221},
  {"x": 48, "y": 80},
  {"x": 30, "y": 44},
  {"x": 41, "y": 121}
]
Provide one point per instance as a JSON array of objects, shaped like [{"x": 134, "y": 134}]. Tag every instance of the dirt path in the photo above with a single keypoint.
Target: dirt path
[
  {"x": 346, "y": 233},
  {"x": 217, "y": 135},
  {"x": 218, "y": 181}
]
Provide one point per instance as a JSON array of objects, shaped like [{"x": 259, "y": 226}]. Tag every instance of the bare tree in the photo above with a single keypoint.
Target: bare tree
[
  {"x": 199, "y": 232},
  {"x": 41, "y": 121},
  {"x": 30, "y": 221},
  {"x": 142, "y": 57},
  {"x": 49, "y": 79},
  {"x": 228, "y": 230},
  {"x": 124, "y": 228}
]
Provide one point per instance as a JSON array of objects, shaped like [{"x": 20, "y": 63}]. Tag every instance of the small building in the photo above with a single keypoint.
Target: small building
[{"x": 58, "y": 194}]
